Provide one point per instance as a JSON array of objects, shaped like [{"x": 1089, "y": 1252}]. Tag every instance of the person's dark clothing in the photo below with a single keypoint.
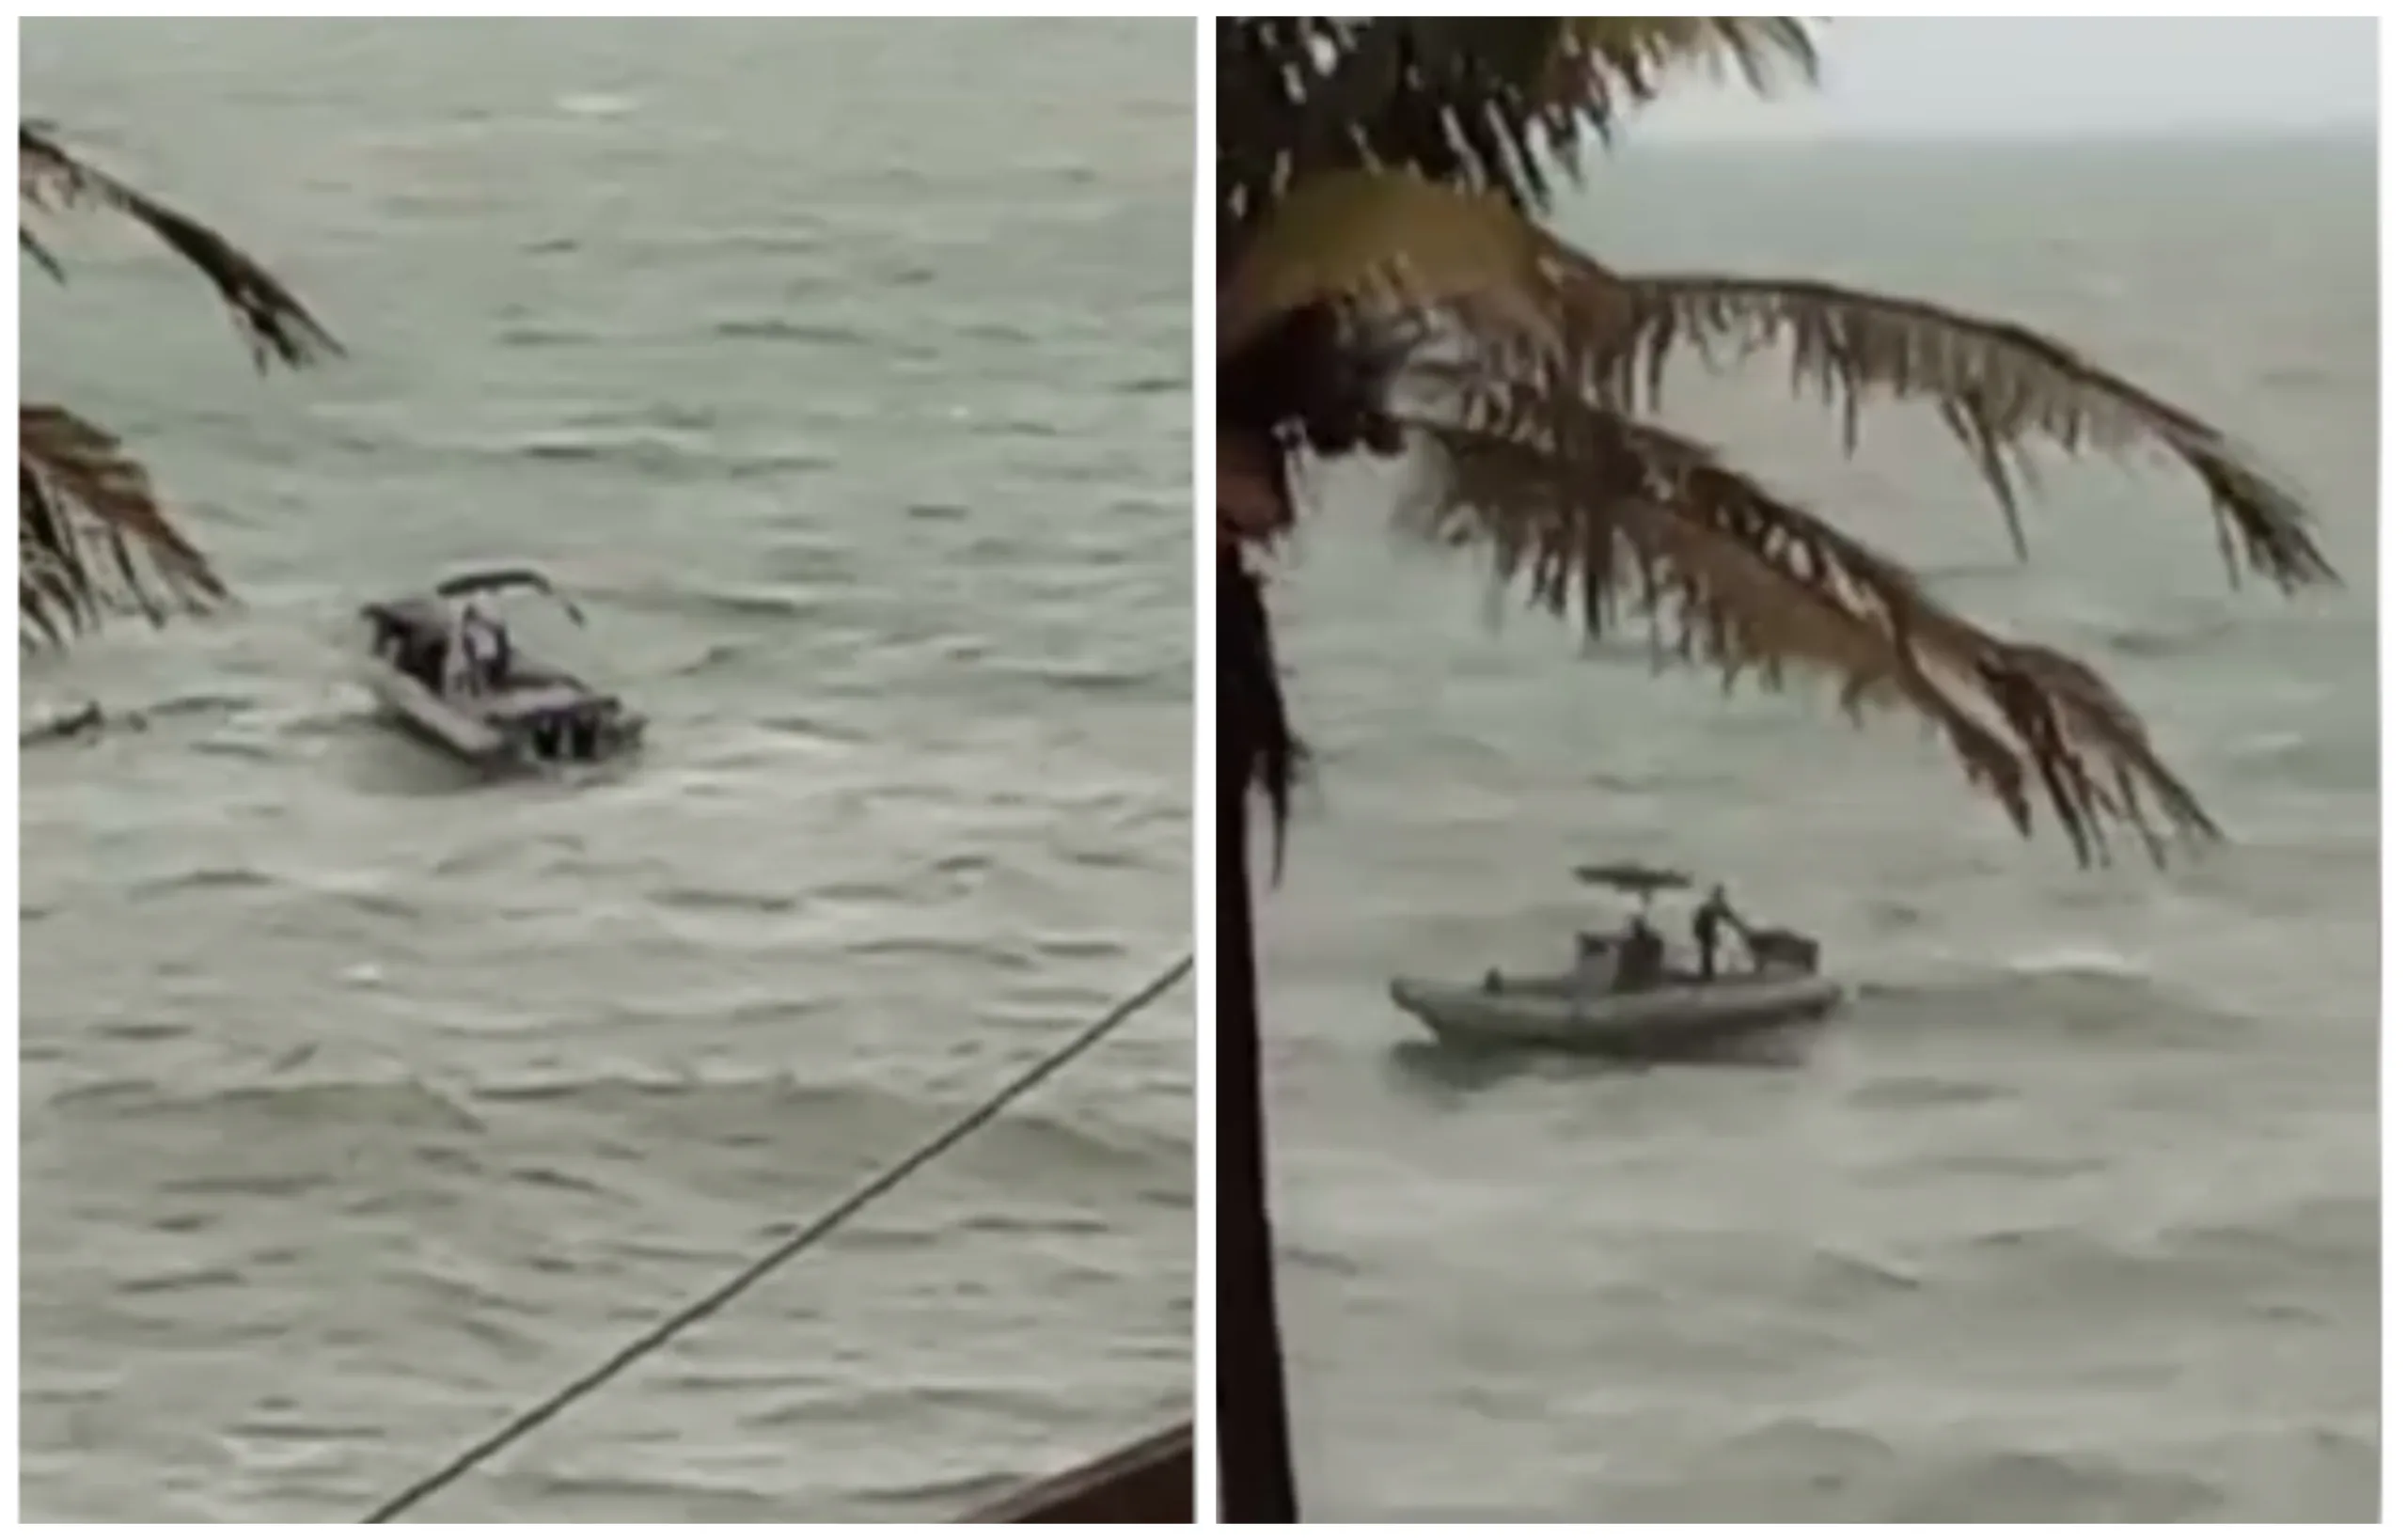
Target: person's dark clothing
[{"x": 1711, "y": 917}]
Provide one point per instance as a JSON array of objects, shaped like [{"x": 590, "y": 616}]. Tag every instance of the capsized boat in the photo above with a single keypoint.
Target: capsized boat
[
  {"x": 495, "y": 711},
  {"x": 1624, "y": 998}
]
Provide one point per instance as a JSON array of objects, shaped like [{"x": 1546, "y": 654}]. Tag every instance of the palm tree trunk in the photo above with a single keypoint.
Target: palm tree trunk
[{"x": 1257, "y": 1468}]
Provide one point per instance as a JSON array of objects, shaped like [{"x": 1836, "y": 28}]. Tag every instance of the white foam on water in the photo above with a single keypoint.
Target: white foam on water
[
  {"x": 2079, "y": 957},
  {"x": 597, "y": 103}
]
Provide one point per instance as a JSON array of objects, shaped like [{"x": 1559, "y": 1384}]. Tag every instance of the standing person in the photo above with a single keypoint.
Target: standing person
[
  {"x": 1711, "y": 915},
  {"x": 484, "y": 646}
]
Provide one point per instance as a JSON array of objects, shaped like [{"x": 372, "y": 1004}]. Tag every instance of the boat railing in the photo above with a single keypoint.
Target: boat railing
[{"x": 1778, "y": 948}]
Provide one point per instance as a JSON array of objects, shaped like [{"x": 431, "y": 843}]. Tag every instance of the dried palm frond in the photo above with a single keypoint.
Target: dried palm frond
[
  {"x": 1602, "y": 516},
  {"x": 1379, "y": 186},
  {"x": 1499, "y": 104},
  {"x": 2001, "y": 389},
  {"x": 89, "y": 526},
  {"x": 273, "y": 321},
  {"x": 1379, "y": 239},
  {"x": 89, "y": 521}
]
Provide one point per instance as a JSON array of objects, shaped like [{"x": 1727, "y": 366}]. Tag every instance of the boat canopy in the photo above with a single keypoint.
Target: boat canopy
[
  {"x": 461, "y": 585},
  {"x": 1632, "y": 878}
]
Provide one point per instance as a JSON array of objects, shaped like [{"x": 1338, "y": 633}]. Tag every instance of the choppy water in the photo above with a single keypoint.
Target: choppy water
[
  {"x": 843, "y": 369},
  {"x": 2076, "y": 1215}
]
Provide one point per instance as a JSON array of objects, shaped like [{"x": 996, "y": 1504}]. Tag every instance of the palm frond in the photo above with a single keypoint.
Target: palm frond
[
  {"x": 92, "y": 538},
  {"x": 1550, "y": 423},
  {"x": 1603, "y": 517},
  {"x": 1497, "y": 104},
  {"x": 1390, "y": 240},
  {"x": 2001, "y": 389},
  {"x": 1319, "y": 381},
  {"x": 1383, "y": 266},
  {"x": 28, "y": 244},
  {"x": 1606, "y": 66},
  {"x": 273, "y": 321}
]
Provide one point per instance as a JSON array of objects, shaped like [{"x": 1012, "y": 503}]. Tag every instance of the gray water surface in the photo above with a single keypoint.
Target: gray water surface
[
  {"x": 843, "y": 370},
  {"x": 2073, "y": 1216}
]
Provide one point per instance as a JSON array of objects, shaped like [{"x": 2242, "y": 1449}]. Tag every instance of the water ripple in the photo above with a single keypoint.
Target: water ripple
[{"x": 359, "y": 1100}]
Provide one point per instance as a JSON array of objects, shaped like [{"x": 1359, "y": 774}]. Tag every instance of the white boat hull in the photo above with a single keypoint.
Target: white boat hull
[
  {"x": 411, "y": 704},
  {"x": 512, "y": 709},
  {"x": 493, "y": 739},
  {"x": 1681, "y": 1018}
]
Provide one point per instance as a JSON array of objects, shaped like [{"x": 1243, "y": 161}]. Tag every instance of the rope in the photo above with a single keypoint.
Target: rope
[{"x": 785, "y": 1250}]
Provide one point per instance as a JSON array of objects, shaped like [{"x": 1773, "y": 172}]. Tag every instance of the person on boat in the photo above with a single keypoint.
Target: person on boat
[
  {"x": 1641, "y": 955},
  {"x": 484, "y": 643},
  {"x": 418, "y": 652},
  {"x": 1592, "y": 967},
  {"x": 1711, "y": 917}
]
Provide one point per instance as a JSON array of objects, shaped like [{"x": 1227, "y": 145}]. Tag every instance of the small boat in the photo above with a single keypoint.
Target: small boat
[
  {"x": 502, "y": 709},
  {"x": 1606, "y": 1006}
]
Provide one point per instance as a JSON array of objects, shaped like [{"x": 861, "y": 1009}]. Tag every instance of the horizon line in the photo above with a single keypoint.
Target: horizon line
[{"x": 2219, "y": 133}]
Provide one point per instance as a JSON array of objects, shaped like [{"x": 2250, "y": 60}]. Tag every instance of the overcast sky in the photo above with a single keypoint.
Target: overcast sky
[{"x": 2002, "y": 76}]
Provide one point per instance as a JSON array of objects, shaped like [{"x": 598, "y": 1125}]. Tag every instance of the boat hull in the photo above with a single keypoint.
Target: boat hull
[
  {"x": 430, "y": 719},
  {"x": 1681, "y": 1020},
  {"x": 492, "y": 740}
]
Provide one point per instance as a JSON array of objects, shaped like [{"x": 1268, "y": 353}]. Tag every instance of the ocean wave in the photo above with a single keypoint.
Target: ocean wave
[
  {"x": 2175, "y": 638},
  {"x": 1932, "y": 1477},
  {"x": 597, "y": 103},
  {"x": 531, "y": 1138},
  {"x": 710, "y": 1106},
  {"x": 534, "y": 335},
  {"x": 854, "y": 1404},
  {"x": 2074, "y": 988},
  {"x": 712, "y": 657},
  {"x": 710, "y": 900},
  {"x": 203, "y": 879},
  {"x": 786, "y": 329}
]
